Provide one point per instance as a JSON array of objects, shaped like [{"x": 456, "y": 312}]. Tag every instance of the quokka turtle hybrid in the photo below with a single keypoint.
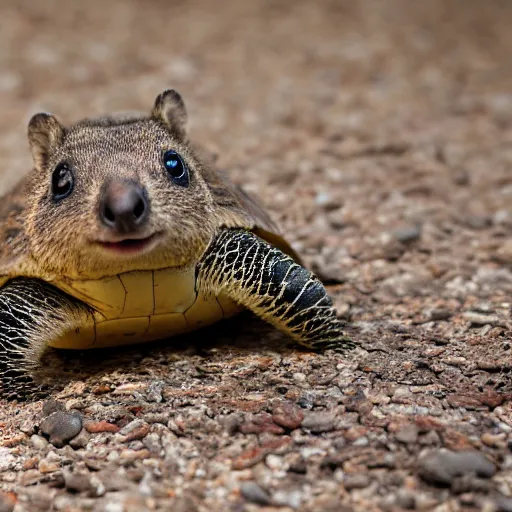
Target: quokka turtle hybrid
[{"x": 122, "y": 234}]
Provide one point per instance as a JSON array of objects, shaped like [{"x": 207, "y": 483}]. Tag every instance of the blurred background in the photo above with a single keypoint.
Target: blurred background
[{"x": 350, "y": 119}]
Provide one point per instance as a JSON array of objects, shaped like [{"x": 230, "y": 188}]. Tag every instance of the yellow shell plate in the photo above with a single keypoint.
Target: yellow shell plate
[{"x": 136, "y": 307}]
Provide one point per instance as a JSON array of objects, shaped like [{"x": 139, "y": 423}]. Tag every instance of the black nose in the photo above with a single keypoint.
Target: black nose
[{"x": 124, "y": 207}]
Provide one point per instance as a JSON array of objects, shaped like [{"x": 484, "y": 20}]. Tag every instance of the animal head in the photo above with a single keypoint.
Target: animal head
[{"x": 117, "y": 193}]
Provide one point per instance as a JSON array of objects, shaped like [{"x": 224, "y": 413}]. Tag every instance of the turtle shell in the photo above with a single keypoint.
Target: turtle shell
[{"x": 139, "y": 306}]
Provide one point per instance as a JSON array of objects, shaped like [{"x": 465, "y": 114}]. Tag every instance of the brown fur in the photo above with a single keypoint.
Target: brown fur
[{"x": 46, "y": 239}]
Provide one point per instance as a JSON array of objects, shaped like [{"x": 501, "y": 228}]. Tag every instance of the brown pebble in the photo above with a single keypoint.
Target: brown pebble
[
  {"x": 81, "y": 440},
  {"x": 494, "y": 440},
  {"x": 46, "y": 466},
  {"x": 356, "y": 481},
  {"x": 137, "y": 433},
  {"x": 255, "y": 454},
  {"x": 442, "y": 466},
  {"x": 100, "y": 426},
  {"x": 8, "y": 501},
  {"x": 287, "y": 415},
  {"x": 30, "y": 463},
  {"x": 11, "y": 442},
  {"x": 101, "y": 389},
  {"x": 131, "y": 455},
  {"x": 259, "y": 423},
  {"x": 318, "y": 422},
  {"x": 407, "y": 434},
  {"x": 468, "y": 402}
]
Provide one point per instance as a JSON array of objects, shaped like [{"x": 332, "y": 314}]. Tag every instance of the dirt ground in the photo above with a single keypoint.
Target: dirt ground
[{"x": 379, "y": 135}]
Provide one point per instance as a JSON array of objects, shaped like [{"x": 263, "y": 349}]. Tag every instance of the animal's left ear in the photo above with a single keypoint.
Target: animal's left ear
[
  {"x": 170, "y": 109},
  {"x": 45, "y": 134}
]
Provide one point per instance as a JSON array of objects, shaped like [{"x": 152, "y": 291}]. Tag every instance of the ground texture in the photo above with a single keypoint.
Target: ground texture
[{"x": 379, "y": 135}]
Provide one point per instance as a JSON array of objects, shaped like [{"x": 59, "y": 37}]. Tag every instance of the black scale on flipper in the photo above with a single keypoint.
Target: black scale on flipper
[
  {"x": 275, "y": 287},
  {"x": 31, "y": 312}
]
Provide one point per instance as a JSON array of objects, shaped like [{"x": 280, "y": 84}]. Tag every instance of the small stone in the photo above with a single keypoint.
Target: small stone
[
  {"x": 504, "y": 253},
  {"x": 430, "y": 438},
  {"x": 76, "y": 482},
  {"x": 252, "y": 492},
  {"x": 100, "y": 426},
  {"x": 38, "y": 442},
  {"x": 356, "y": 481},
  {"x": 81, "y": 440},
  {"x": 46, "y": 466},
  {"x": 7, "y": 501},
  {"x": 132, "y": 455},
  {"x": 408, "y": 234},
  {"x": 287, "y": 415},
  {"x": 437, "y": 314},
  {"x": 442, "y": 466},
  {"x": 407, "y": 434},
  {"x": 137, "y": 434},
  {"x": 358, "y": 403},
  {"x": 501, "y": 503},
  {"x": 259, "y": 423},
  {"x": 291, "y": 499},
  {"x": 494, "y": 440},
  {"x": 482, "y": 319},
  {"x": 299, "y": 377},
  {"x": 61, "y": 426},
  {"x": 405, "y": 499},
  {"x": 318, "y": 422},
  {"x": 491, "y": 398},
  {"x": 468, "y": 402},
  {"x": 101, "y": 389}
]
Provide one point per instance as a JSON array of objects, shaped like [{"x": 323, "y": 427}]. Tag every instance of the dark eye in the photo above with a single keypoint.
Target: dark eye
[
  {"x": 176, "y": 168},
  {"x": 63, "y": 181}
]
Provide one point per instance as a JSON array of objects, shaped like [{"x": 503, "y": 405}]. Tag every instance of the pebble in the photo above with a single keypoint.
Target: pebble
[
  {"x": 100, "y": 426},
  {"x": 7, "y": 501},
  {"x": 407, "y": 434},
  {"x": 77, "y": 482},
  {"x": 287, "y": 415},
  {"x": 494, "y": 440},
  {"x": 61, "y": 426},
  {"x": 356, "y": 481},
  {"x": 299, "y": 377},
  {"x": 408, "y": 234},
  {"x": 482, "y": 319},
  {"x": 81, "y": 440},
  {"x": 442, "y": 466},
  {"x": 292, "y": 499},
  {"x": 252, "y": 492},
  {"x": 318, "y": 422},
  {"x": 38, "y": 442},
  {"x": 259, "y": 423},
  {"x": 468, "y": 402},
  {"x": 46, "y": 466},
  {"x": 502, "y": 503}
]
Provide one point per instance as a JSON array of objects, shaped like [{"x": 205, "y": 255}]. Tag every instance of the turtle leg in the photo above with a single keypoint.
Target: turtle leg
[
  {"x": 273, "y": 286},
  {"x": 32, "y": 313}
]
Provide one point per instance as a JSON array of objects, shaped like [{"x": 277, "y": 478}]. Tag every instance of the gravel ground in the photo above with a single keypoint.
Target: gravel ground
[{"x": 379, "y": 135}]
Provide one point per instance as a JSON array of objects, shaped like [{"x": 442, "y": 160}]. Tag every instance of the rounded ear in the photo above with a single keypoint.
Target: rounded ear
[
  {"x": 170, "y": 109},
  {"x": 45, "y": 134}
]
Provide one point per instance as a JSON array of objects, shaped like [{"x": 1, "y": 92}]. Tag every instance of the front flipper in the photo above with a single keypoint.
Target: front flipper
[
  {"x": 271, "y": 284},
  {"x": 32, "y": 313}
]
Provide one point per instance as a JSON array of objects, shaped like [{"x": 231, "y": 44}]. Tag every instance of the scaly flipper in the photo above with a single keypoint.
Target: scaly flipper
[
  {"x": 272, "y": 285},
  {"x": 32, "y": 313}
]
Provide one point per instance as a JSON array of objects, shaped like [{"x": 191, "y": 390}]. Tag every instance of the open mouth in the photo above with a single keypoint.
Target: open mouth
[{"x": 129, "y": 245}]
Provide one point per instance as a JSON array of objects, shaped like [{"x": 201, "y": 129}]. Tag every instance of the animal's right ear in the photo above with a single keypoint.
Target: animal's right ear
[{"x": 45, "y": 133}]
